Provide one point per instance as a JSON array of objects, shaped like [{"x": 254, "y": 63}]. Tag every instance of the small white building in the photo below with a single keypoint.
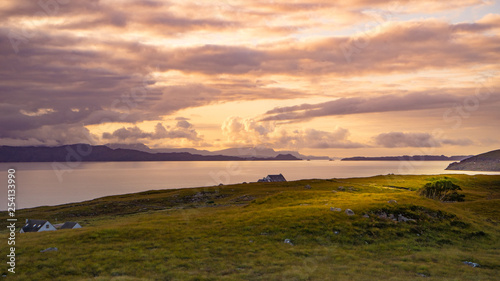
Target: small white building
[
  {"x": 37, "y": 226},
  {"x": 70, "y": 225}
]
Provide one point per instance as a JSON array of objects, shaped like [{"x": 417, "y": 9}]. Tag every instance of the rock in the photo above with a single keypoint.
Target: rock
[
  {"x": 349, "y": 212},
  {"x": 422, "y": 275},
  {"x": 336, "y": 232},
  {"x": 382, "y": 215},
  {"x": 392, "y": 202},
  {"x": 334, "y": 191},
  {"x": 335, "y": 209},
  {"x": 287, "y": 241},
  {"x": 402, "y": 218},
  {"x": 392, "y": 217},
  {"x": 341, "y": 188},
  {"x": 473, "y": 264},
  {"x": 366, "y": 216},
  {"x": 49, "y": 250},
  {"x": 307, "y": 186}
]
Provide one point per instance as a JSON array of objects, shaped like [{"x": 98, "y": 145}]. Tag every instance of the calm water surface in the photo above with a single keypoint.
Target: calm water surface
[{"x": 39, "y": 184}]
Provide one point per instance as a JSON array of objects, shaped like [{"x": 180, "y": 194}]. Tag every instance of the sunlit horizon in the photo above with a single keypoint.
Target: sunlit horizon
[{"x": 337, "y": 79}]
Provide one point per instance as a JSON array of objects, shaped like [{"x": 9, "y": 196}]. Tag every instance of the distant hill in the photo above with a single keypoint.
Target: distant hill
[
  {"x": 408, "y": 158},
  {"x": 145, "y": 148},
  {"x": 489, "y": 161},
  {"x": 245, "y": 152},
  {"x": 264, "y": 152},
  {"x": 88, "y": 153}
]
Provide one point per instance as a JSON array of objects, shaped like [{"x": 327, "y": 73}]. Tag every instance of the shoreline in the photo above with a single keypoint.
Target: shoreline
[{"x": 166, "y": 190}]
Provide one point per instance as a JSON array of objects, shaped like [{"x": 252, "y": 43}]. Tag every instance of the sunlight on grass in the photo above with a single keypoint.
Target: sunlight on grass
[{"x": 237, "y": 233}]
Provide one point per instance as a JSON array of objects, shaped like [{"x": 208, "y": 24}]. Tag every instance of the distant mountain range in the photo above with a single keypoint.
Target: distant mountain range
[
  {"x": 489, "y": 161},
  {"x": 407, "y": 158},
  {"x": 89, "y": 153},
  {"x": 245, "y": 152}
]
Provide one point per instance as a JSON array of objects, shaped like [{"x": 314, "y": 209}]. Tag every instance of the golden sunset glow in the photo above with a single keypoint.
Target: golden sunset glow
[{"x": 335, "y": 78}]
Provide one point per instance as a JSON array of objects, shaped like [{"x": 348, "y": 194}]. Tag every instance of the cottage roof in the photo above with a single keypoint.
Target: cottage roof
[
  {"x": 275, "y": 178},
  {"x": 68, "y": 225},
  {"x": 33, "y": 225}
]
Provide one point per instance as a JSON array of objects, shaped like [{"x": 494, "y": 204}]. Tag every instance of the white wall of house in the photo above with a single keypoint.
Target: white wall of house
[{"x": 47, "y": 226}]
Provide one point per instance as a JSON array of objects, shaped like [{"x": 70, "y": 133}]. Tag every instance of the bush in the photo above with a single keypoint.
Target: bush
[{"x": 442, "y": 190}]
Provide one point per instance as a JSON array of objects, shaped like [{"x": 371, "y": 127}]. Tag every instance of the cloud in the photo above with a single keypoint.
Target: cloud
[
  {"x": 358, "y": 105},
  {"x": 240, "y": 131},
  {"x": 246, "y": 131},
  {"x": 133, "y": 134},
  {"x": 459, "y": 142},
  {"x": 311, "y": 138},
  {"x": 91, "y": 62},
  {"x": 400, "y": 139},
  {"x": 50, "y": 135},
  {"x": 184, "y": 124}
]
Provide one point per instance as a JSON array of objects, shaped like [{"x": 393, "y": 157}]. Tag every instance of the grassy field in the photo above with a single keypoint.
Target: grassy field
[{"x": 237, "y": 232}]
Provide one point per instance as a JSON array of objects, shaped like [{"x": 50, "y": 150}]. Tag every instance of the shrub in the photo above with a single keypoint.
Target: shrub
[{"x": 442, "y": 190}]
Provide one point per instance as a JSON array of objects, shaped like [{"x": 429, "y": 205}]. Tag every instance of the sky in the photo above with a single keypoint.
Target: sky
[{"x": 330, "y": 78}]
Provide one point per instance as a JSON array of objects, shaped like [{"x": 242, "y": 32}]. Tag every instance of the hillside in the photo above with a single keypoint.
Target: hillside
[
  {"x": 489, "y": 161},
  {"x": 239, "y": 232},
  {"x": 85, "y": 152}
]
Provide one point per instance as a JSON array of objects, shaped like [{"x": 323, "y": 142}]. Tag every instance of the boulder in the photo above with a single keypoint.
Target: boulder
[
  {"x": 382, "y": 215},
  {"x": 349, "y": 212},
  {"x": 307, "y": 186},
  {"x": 402, "y": 218},
  {"x": 473, "y": 264},
  {"x": 287, "y": 241},
  {"x": 335, "y": 209},
  {"x": 392, "y": 202}
]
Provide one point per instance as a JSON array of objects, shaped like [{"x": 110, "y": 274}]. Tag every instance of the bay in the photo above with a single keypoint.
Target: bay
[{"x": 40, "y": 184}]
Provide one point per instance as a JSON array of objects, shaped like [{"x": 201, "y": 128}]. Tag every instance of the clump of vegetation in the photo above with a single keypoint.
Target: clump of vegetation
[{"x": 442, "y": 190}]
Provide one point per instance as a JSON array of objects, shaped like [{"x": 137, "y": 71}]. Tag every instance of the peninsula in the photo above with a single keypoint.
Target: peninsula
[{"x": 489, "y": 161}]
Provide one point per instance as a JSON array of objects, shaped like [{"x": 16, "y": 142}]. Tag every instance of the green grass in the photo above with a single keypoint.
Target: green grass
[{"x": 236, "y": 233}]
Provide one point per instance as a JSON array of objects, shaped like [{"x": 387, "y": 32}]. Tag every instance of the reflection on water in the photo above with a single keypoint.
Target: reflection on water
[{"x": 38, "y": 184}]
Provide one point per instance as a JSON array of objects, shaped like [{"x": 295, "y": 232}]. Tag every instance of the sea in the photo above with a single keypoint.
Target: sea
[{"x": 46, "y": 184}]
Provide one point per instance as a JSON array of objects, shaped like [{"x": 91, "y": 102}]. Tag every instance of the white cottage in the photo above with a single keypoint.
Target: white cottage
[{"x": 37, "y": 226}]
